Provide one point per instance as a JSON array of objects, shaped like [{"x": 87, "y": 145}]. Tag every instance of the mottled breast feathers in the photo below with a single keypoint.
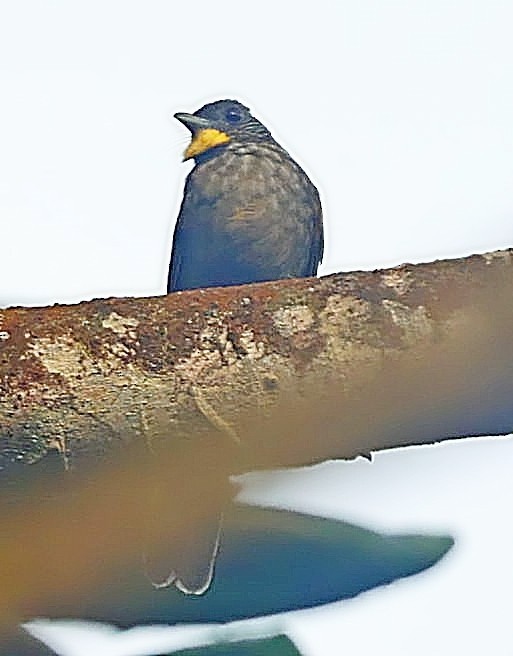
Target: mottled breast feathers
[{"x": 249, "y": 212}]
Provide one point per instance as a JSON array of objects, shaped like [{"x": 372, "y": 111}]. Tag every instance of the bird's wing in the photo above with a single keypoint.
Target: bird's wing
[
  {"x": 190, "y": 237},
  {"x": 317, "y": 248},
  {"x": 181, "y": 237},
  {"x": 176, "y": 262},
  {"x": 320, "y": 239}
]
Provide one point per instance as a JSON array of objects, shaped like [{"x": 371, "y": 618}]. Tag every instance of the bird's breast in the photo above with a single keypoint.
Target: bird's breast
[{"x": 252, "y": 176}]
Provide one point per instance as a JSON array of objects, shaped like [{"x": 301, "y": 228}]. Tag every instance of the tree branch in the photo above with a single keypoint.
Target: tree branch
[{"x": 83, "y": 378}]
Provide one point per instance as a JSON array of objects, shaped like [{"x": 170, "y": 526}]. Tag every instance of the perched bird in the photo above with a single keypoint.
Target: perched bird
[
  {"x": 249, "y": 211},
  {"x": 249, "y": 214}
]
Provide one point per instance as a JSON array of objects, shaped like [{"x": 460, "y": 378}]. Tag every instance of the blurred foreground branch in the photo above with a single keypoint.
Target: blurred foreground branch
[{"x": 220, "y": 381}]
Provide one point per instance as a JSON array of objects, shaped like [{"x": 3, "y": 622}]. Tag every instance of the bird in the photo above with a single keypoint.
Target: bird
[{"x": 249, "y": 212}]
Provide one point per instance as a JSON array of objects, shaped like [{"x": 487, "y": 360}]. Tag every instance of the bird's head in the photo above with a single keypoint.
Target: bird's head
[{"x": 218, "y": 123}]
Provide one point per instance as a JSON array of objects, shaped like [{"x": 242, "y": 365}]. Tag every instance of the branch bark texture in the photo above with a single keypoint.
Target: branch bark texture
[{"x": 81, "y": 379}]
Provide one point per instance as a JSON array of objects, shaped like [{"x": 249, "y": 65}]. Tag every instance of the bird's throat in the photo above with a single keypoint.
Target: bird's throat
[{"x": 205, "y": 140}]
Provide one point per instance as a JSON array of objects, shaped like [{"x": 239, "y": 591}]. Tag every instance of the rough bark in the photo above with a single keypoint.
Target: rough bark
[{"x": 83, "y": 378}]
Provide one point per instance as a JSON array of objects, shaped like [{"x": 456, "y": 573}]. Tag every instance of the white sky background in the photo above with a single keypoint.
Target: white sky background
[{"x": 402, "y": 114}]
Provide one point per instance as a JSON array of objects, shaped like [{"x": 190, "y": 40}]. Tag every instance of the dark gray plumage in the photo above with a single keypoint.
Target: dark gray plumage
[{"x": 249, "y": 212}]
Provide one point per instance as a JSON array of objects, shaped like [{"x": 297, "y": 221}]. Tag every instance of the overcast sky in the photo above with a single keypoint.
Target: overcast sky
[{"x": 400, "y": 111}]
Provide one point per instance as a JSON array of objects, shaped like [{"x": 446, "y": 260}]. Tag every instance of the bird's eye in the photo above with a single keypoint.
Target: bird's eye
[{"x": 233, "y": 116}]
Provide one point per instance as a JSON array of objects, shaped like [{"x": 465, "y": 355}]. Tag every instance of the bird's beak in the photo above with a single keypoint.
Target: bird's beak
[
  {"x": 191, "y": 122},
  {"x": 203, "y": 137}
]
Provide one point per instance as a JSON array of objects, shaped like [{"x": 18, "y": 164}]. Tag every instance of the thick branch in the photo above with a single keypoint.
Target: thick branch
[{"x": 360, "y": 360}]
